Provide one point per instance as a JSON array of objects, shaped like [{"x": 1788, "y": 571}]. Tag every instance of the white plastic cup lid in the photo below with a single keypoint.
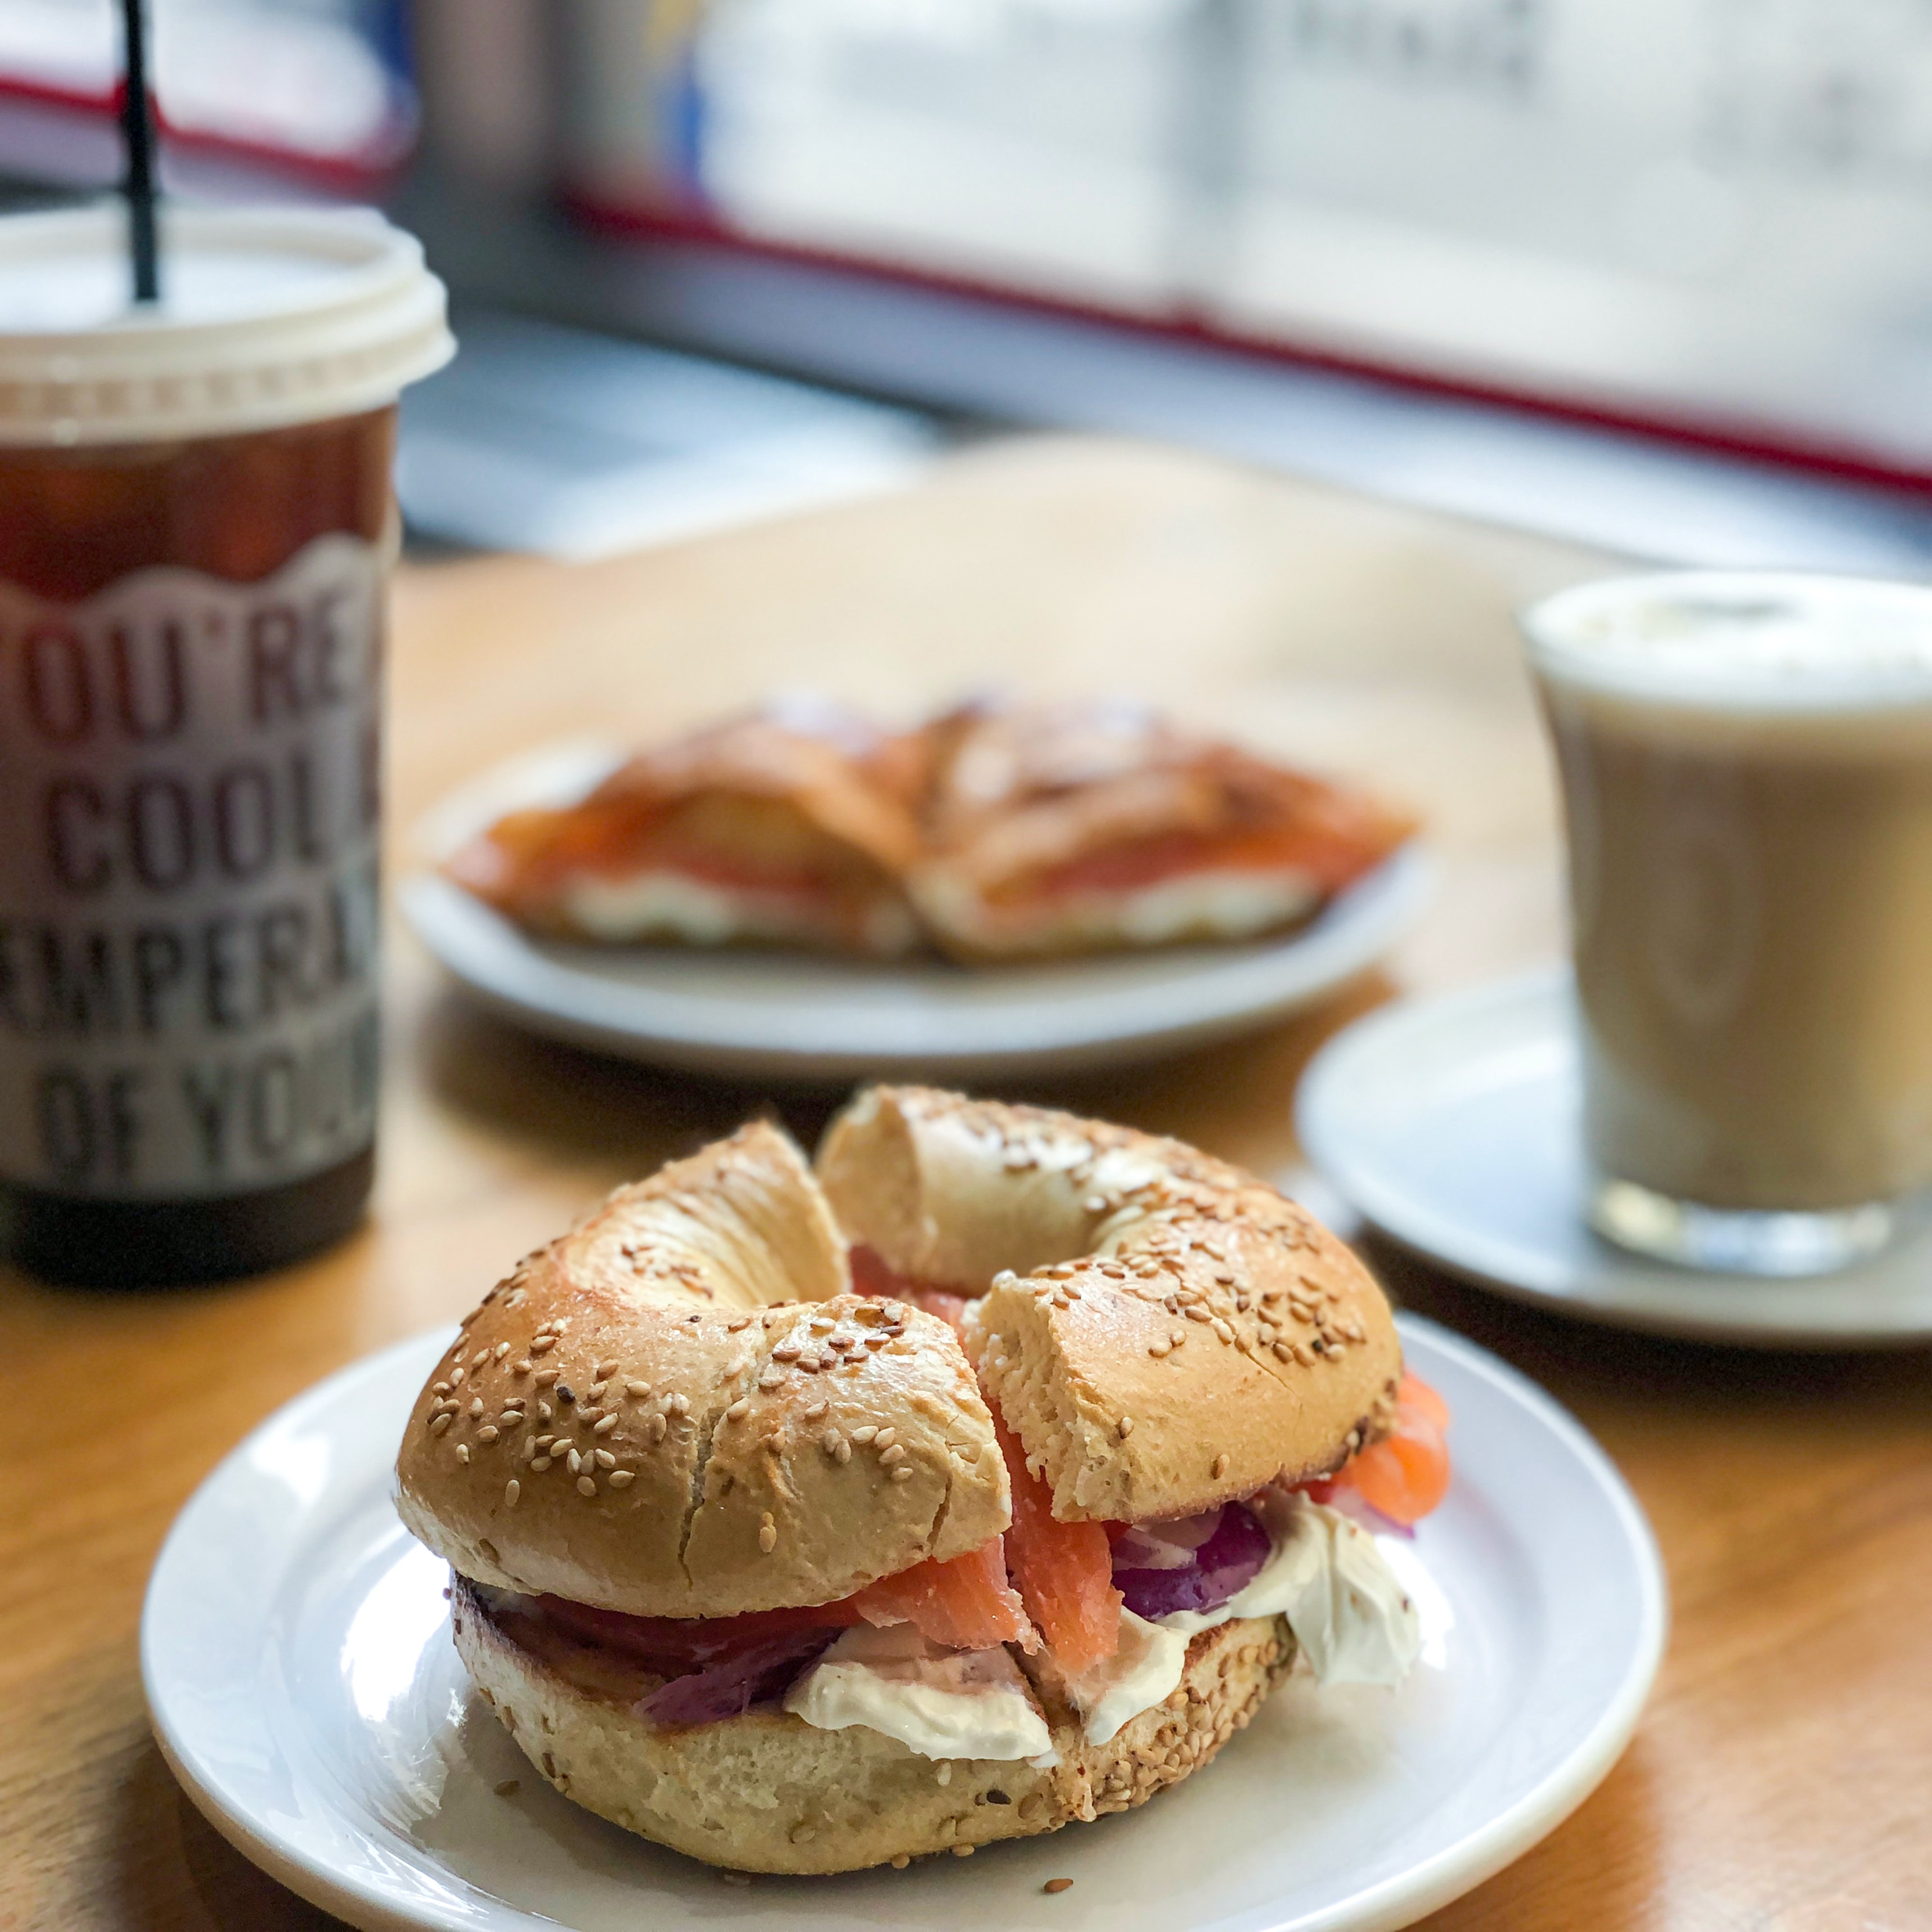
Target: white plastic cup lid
[{"x": 269, "y": 316}]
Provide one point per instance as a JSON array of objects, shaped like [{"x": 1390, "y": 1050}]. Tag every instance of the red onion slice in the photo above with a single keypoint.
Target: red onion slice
[
  {"x": 1224, "y": 1564},
  {"x": 760, "y": 1674}
]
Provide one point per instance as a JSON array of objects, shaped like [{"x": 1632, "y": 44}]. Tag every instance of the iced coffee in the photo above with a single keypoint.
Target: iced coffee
[
  {"x": 1747, "y": 772},
  {"x": 197, "y": 528}
]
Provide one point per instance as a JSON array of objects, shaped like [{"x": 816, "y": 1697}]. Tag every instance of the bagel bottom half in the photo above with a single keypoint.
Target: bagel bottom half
[{"x": 768, "y": 1792}]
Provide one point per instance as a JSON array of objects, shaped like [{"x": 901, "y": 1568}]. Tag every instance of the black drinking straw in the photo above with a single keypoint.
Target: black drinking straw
[{"x": 137, "y": 133}]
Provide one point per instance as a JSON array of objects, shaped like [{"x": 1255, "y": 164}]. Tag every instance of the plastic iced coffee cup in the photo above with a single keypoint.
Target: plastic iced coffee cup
[
  {"x": 1747, "y": 767},
  {"x": 197, "y": 523}
]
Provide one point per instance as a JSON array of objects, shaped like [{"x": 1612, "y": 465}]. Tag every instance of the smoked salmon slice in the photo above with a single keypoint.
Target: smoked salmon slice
[
  {"x": 1064, "y": 1570},
  {"x": 966, "y": 1604},
  {"x": 1406, "y": 1474}
]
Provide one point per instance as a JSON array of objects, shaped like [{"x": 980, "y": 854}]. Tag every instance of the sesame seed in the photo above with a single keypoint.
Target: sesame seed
[
  {"x": 885, "y": 1438},
  {"x": 786, "y": 1351},
  {"x": 542, "y": 1345},
  {"x": 544, "y": 1410},
  {"x": 771, "y": 1378},
  {"x": 903, "y": 1475},
  {"x": 502, "y": 1349},
  {"x": 1124, "y": 1427},
  {"x": 1057, "y": 1885},
  {"x": 585, "y": 1486},
  {"x": 547, "y": 1378},
  {"x": 963, "y": 1851},
  {"x": 1223, "y": 1330},
  {"x": 732, "y": 1328},
  {"x": 895, "y": 1453},
  {"x": 541, "y": 1463},
  {"x": 843, "y": 1453},
  {"x": 462, "y": 1452},
  {"x": 605, "y": 1460},
  {"x": 1304, "y": 1355},
  {"x": 865, "y": 1432},
  {"x": 768, "y": 1537},
  {"x": 1195, "y": 1313},
  {"x": 604, "y": 1427},
  {"x": 634, "y": 1388},
  {"x": 605, "y": 1370},
  {"x": 622, "y": 1479},
  {"x": 512, "y": 1490},
  {"x": 1157, "y": 1349},
  {"x": 482, "y": 1356},
  {"x": 658, "y": 1428},
  {"x": 438, "y": 1423},
  {"x": 456, "y": 1375},
  {"x": 439, "y": 1388},
  {"x": 520, "y": 1367},
  {"x": 1284, "y": 1352},
  {"x": 595, "y": 1393},
  {"x": 488, "y": 1433},
  {"x": 817, "y": 1409},
  {"x": 737, "y": 1409},
  {"x": 679, "y": 1405},
  {"x": 1220, "y": 1467}
]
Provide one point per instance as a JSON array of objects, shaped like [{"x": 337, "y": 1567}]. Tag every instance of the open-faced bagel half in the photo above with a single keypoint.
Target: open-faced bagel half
[
  {"x": 680, "y": 1409},
  {"x": 1163, "y": 1331},
  {"x": 629, "y": 1420}
]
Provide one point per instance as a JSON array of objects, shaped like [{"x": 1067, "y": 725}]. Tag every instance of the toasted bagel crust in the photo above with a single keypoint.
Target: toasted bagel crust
[
  {"x": 1163, "y": 1331},
  {"x": 768, "y": 1792},
  {"x": 707, "y": 1422}
]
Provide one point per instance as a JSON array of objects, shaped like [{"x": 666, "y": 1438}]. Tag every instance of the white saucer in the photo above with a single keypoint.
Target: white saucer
[
  {"x": 299, "y": 1668},
  {"x": 1453, "y": 1124},
  {"x": 795, "y": 1016}
]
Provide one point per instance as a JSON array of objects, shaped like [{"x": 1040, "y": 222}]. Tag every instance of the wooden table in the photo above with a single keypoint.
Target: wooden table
[{"x": 1783, "y": 1776}]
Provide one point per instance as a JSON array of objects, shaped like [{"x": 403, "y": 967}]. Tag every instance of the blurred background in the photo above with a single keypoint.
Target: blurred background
[{"x": 1656, "y": 276}]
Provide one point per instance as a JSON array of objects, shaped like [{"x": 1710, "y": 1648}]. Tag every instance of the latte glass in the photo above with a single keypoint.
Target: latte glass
[{"x": 1747, "y": 770}]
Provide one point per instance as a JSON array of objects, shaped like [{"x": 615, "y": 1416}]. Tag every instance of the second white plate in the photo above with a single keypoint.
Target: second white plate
[
  {"x": 799, "y": 1017},
  {"x": 296, "y": 1653},
  {"x": 1454, "y": 1124}
]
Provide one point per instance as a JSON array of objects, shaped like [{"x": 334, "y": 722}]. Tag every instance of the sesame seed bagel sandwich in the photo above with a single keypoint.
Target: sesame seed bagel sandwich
[{"x": 985, "y": 1481}]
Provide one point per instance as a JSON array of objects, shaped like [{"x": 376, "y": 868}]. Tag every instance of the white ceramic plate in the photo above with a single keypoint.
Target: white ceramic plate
[
  {"x": 296, "y": 1653},
  {"x": 1454, "y": 1125},
  {"x": 794, "y": 1016}
]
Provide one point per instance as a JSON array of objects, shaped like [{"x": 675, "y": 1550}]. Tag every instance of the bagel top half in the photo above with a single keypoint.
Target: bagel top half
[
  {"x": 1162, "y": 1331},
  {"x": 680, "y": 1409}
]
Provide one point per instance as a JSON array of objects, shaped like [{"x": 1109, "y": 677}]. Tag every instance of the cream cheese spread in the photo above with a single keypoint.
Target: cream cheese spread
[
  {"x": 941, "y": 1703},
  {"x": 1141, "y": 1673},
  {"x": 1353, "y": 1619}
]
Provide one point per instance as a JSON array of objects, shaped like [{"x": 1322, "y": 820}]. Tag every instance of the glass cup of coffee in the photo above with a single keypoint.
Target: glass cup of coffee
[
  {"x": 1746, "y": 761},
  {"x": 198, "y": 527}
]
